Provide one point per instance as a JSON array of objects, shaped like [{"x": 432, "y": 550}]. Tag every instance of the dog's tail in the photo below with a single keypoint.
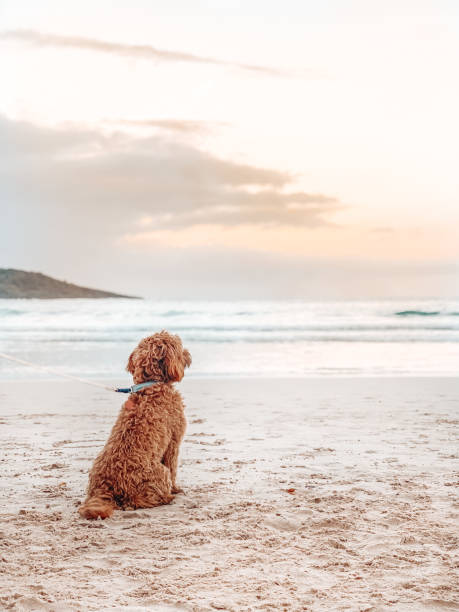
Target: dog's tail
[{"x": 97, "y": 506}]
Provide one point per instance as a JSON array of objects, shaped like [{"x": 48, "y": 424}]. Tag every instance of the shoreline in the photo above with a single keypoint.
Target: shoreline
[
  {"x": 370, "y": 523},
  {"x": 247, "y": 378}
]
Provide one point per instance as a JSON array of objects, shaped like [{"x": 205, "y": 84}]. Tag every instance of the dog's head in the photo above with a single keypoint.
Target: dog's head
[{"x": 159, "y": 357}]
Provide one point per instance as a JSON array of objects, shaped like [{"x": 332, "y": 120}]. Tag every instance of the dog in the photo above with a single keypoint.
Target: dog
[{"x": 137, "y": 468}]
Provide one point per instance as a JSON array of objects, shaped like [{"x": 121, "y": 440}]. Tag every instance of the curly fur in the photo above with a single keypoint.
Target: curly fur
[{"x": 138, "y": 466}]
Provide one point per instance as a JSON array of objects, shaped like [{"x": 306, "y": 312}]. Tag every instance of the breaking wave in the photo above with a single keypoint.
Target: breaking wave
[{"x": 283, "y": 338}]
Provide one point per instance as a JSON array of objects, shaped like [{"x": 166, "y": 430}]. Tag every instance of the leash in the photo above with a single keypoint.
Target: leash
[{"x": 132, "y": 389}]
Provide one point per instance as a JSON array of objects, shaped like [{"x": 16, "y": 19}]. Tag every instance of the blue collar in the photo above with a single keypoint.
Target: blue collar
[{"x": 138, "y": 387}]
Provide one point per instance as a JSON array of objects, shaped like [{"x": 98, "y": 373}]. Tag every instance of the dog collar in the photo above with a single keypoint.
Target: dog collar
[{"x": 138, "y": 387}]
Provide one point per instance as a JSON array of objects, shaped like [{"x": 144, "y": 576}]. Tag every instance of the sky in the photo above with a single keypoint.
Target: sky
[{"x": 232, "y": 150}]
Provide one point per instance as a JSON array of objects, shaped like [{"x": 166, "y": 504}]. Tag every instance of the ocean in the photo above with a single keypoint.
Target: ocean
[{"x": 93, "y": 338}]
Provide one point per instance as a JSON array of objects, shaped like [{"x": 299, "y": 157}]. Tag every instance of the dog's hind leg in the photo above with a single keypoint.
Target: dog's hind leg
[
  {"x": 98, "y": 504},
  {"x": 156, "y": 491},
  {"x": 170, "y": 460}
]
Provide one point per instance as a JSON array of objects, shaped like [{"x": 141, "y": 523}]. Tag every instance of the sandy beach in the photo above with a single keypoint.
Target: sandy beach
[{"x": 300, "y": 494}]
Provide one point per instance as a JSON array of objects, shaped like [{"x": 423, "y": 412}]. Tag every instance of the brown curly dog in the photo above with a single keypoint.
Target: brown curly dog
[{"x": 138, "y": 466}]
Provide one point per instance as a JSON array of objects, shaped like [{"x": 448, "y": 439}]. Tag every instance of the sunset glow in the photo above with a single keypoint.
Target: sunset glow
[{"x": 324, "y": 134}]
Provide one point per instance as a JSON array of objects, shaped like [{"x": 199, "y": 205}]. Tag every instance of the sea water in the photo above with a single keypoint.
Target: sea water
[{"x": 93, "y": 338}]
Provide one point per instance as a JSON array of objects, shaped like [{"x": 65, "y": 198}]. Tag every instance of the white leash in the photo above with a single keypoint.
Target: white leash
[{"x": 52, "y": 371}]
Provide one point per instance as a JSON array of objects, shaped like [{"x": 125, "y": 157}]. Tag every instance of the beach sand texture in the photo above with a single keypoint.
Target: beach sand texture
[{"x": 311, "y": 494}]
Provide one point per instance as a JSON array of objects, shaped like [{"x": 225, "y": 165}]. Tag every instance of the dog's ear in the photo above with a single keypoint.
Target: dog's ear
[
  {"x": 175, "y": 358},
  {"x": 172, "y": 362},
  {"x": 130, "y": 364},
  {"x": 135, "y": 365},
  {"x": 187, "y": 357}
]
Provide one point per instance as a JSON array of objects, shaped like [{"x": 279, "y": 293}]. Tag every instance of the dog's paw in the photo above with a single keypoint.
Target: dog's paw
[{"x": 176, "y": 490}]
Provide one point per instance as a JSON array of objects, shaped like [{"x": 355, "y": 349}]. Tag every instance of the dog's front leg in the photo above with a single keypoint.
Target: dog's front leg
[{"x": 170, "y": 460}]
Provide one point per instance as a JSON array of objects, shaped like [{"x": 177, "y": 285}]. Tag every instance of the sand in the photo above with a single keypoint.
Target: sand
[{"x": 313, "y": 494}]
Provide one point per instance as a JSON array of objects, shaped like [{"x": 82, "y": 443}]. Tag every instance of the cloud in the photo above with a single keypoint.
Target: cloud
[
  {"x": 174, "y": 125},
  {"x": 68, "y": 197},
  {"x": 117, "y": 180},
  {"x": 146, "y": 52}
]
